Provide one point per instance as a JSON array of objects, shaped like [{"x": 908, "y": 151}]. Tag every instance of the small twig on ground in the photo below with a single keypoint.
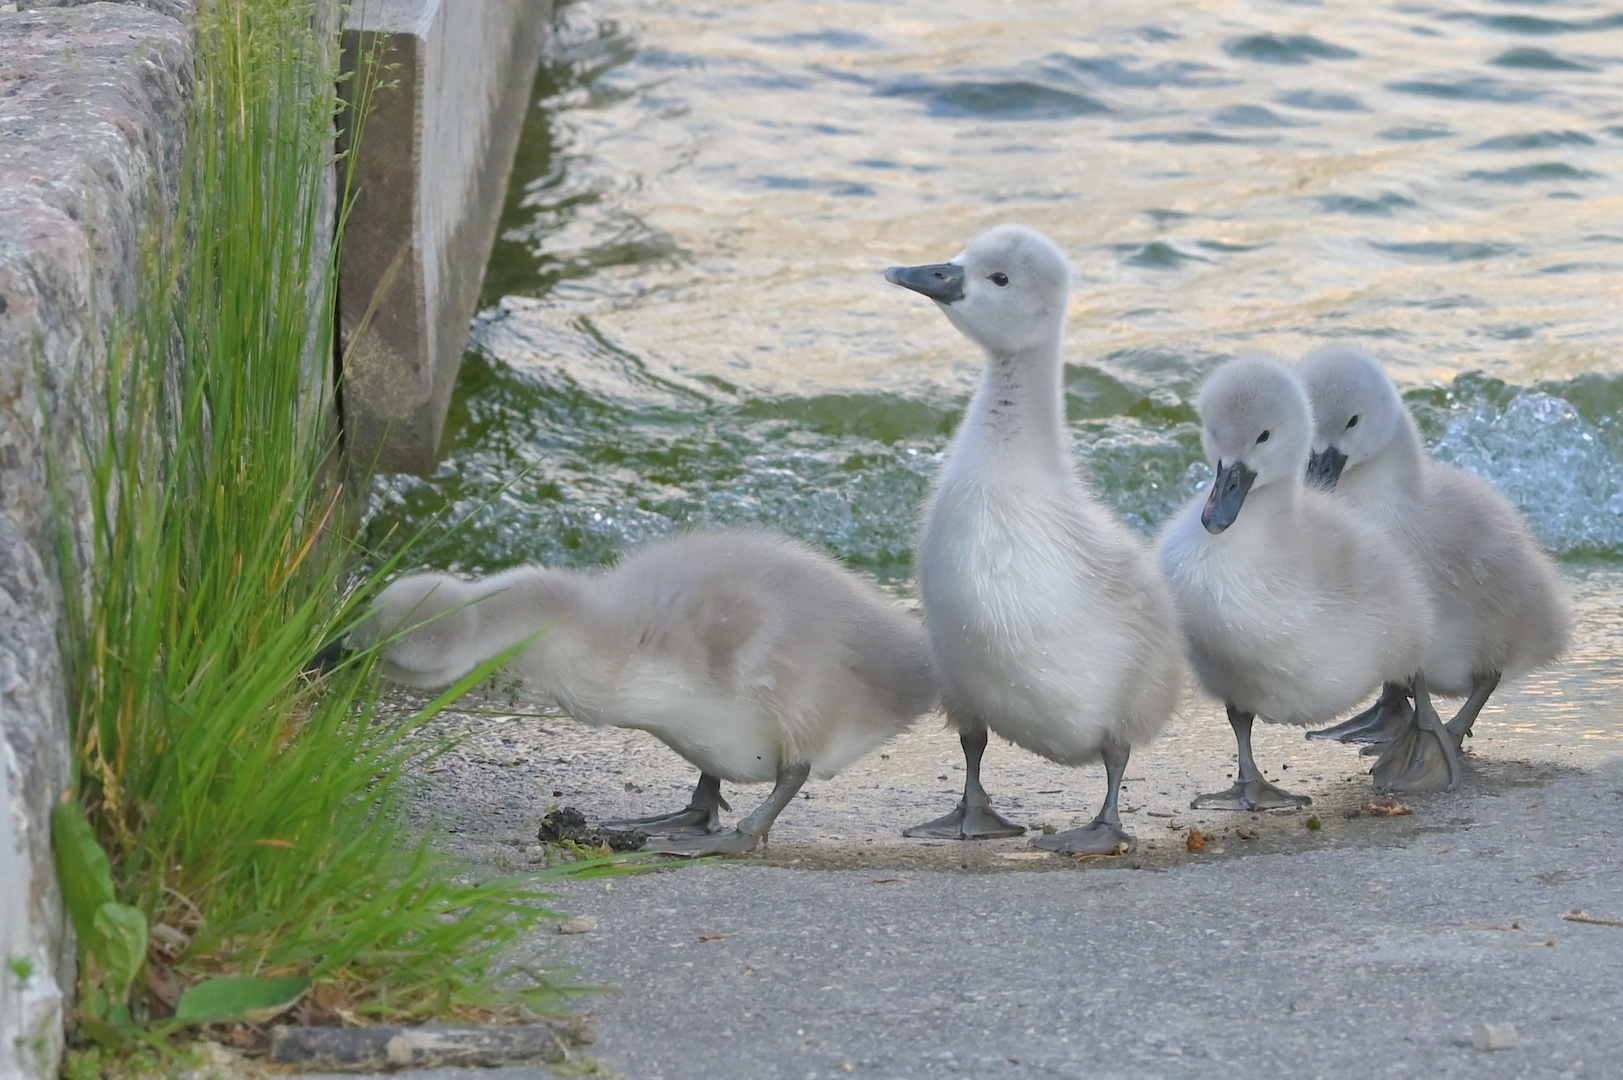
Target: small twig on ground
[{"x": 1580, "y": 915}]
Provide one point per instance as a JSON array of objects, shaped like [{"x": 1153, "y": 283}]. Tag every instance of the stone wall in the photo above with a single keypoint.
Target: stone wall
[{"x": 93, "y": 101}]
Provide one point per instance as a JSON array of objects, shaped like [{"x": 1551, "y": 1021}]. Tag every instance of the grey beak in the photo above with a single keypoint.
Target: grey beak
[
  {"x": 332, "y": 654},
  {"x": 942, "y": 282},
  {"x": 1324, "y": 468},
  {"x": 1228, "y": 495}
]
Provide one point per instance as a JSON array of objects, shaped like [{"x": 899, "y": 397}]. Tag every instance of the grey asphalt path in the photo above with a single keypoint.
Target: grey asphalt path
[{"x": 1360, "y": 955}]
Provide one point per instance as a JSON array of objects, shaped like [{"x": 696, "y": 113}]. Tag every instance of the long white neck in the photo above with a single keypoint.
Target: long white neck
[
  {"x": 1394, "y": 474},
  {"x": 1016, "y": 419},
  {"x": 531, "y": 603}
]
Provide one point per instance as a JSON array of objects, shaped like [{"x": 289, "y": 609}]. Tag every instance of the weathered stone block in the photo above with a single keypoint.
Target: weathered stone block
[
  {"x": 178, "y": 9},
  {"x": 432, "y": 170},
  {"x": 93, "y": 103}
]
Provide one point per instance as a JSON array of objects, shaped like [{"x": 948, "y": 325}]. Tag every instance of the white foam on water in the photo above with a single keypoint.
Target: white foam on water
[{"x": 1562, "y": 472}]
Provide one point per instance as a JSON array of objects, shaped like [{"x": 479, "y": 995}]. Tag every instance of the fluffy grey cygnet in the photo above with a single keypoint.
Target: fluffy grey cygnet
[
  {"x": 1501, "y": 611},
  {"x": 1294, "y": 606},
  {"x": 750, "y": 655},
  {"x": 1048, "y": 620}
]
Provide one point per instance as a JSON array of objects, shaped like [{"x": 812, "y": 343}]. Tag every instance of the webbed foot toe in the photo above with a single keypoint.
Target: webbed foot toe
[
  {"x": 967, "y": 823},
  {"x": 1255, "y": 794},
  {"x": 682, "y": 822},
  {"x": 1379, "y": 724},
  {"x": 1094, "y": 838},
  {"x": 731, "y": 842},
  {"x": 1419, "y": 760}
]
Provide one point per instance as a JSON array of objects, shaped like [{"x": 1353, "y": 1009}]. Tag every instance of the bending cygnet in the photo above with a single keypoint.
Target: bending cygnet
[
  {"x": 1292, "y": 605},
  {"x": 749, "y": 654},
  {"x": 1048, "y": 621},
  {"x": 1499, "y": 602}
]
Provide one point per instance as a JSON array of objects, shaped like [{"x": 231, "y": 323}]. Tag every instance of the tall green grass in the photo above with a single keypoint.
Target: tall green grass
[{"x": 251, "y": 812}]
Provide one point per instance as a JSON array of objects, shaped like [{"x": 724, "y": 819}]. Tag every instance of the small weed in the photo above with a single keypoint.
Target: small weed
[{"x": 98, "y": 1063}]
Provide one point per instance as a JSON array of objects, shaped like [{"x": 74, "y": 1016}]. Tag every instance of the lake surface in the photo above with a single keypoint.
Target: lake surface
[{"x": 685, "y": 321}]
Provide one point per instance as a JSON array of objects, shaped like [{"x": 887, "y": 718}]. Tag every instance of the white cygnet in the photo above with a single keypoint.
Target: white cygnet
[
  {"x": 749, "y": 654},
  {"x": 1501, "y": 610},
  {"x": 1048, "y": 620},
  {"x": 1293, "y": 607}
]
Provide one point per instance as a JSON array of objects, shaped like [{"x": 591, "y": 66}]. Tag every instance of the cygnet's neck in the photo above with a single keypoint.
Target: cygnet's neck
[
  {"x": 1396, "y": 472},
  {"x": 1265, "y": 506},
  {"x": 545, "y": 604},
  {"x": 1017, "y": 416}
]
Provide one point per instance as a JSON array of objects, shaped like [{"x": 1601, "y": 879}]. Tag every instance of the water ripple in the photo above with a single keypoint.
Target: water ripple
[
  {"x": 1012, "y": 99},
  {"x": 1285, "y": 49},
  {"x": 1467, "y": 88}
]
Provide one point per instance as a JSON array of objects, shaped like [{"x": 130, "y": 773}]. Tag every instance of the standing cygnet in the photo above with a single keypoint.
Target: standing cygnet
[
  {"x": 749, "y": 654},
  {"x": 1049, "y": 623},
  {"x": 1295, "y": 608},
  {"x": 1500, "y": 607}
]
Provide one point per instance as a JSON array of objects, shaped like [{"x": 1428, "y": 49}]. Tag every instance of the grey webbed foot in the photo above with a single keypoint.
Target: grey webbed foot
[
  {"x": 1380, "y": 723},
  {"x": 1424, "y": 758},
  {"x": 751, "y": 831},
  {"x": 731, "y": 842},
  {"x": 1104, "y": 834},
  {"x": 967, "y": 823},
  {"x": 702, "y": 814},
  {"x": 1094, "y": 838},
  {"x": 1253, "y": 794},
  {"x": 974, "y": 819},
  {"x": 1251, "y": 791},
  {"x": 690, "y": 820}
]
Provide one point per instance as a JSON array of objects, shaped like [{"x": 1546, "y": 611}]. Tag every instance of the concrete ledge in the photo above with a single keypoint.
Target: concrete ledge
[
  {"x": 432, "y": 174},
  {"x": 93, "y": 102}
]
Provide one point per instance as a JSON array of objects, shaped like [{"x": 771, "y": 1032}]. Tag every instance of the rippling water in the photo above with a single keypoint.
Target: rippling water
[{"x": 685, "y": 320}]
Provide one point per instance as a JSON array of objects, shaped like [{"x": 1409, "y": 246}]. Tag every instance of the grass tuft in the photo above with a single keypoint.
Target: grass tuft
[{"x": 252, "y": 813}]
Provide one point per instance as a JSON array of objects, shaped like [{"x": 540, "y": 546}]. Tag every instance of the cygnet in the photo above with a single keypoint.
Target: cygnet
[
  {"x": 749, "y": 654},
  {"x": 1500, "y": 607},
  {"x": 1292, "y": 605},
  {"x": 1048, "y": 620}
]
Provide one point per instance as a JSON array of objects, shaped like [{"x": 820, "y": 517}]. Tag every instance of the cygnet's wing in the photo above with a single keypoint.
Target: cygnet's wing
[
  {"x": 1486, "y": 564},
  {"x": 697, "y": 606}
]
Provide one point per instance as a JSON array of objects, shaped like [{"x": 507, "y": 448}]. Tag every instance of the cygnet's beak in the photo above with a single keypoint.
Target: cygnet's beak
[
  {"x": 1324, "y": 467},
  {"x": 942, "y": 282},
  {"x": 331, "y": 655},
  {"x": 1228, "y": 495}
]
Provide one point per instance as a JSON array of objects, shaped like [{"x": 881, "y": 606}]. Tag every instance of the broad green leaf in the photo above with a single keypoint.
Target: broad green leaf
[
  {"x": 237, "y": 997},
  {"x": 119, "y": 944},
  {"x": 81, "y": 866}
]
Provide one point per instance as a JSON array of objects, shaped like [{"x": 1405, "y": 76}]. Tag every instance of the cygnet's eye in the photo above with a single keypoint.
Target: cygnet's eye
[
  {"x": 1263, "y": 437},
  {"x": 1352, "y": 423},
  {"x": 999, "y": 279}
]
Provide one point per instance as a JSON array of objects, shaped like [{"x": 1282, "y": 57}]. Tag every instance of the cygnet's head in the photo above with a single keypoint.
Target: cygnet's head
[
  {"x": 1006, "y": 291},
  {"x": 428, "y": 624},
  {"x": 1357, "y": 413},
  {"x": 1257, "y": 429}
]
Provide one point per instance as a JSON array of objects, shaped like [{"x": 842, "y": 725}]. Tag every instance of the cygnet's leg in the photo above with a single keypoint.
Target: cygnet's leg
[
  {"x": 1251, "y": 791},
  {"x": 751, "y": 831},
  {"x": 1423, "y": 758},
  {"x": 1380, "y": 723},
  {"x": 1460, "y": 726},
  {"x": 703, "y": 813},
  {"x": 1104, "y": 835},
  {"x": 974, "y": 819}
]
